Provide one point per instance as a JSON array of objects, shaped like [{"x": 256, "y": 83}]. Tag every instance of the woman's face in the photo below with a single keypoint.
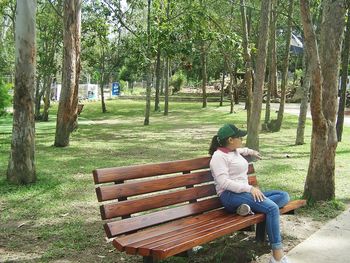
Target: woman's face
[{"x": 234, "y": 143}]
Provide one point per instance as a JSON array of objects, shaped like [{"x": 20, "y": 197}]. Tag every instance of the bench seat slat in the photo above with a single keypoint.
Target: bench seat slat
[
  {"x": 133, "y": 243},
  {"x": 189, "y": 242},
  {"x": 110, "y": 192},
  {"x": 205, "y": 236},
  {"x": 180, "y": 228},
  {"x": 131, "y": 224},
  {"x": 189, "y": 233},
  {"x": 107, "y": 175},
  {"x": 147, "y": 203}
]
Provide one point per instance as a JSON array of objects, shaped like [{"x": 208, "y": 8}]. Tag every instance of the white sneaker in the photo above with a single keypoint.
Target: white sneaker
[
  {"x": 284, "y": 259},
  {"x": 244, "y": 210}
]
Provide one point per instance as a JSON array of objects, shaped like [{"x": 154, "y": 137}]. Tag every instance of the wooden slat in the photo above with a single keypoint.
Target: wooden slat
[
  {"x": 179, "y": 245},
  {"x": 205, "y": 236},
  {"x": 106, "y": 175},
  {"x": 146, "y": 249},
  {"x": 147, "y": 203},
  {"x": 135, "y": 223},
  {"x": 136, "y": 188},
  {"x": 181, "y": 226},
  {"x": 292, "y": 205}
]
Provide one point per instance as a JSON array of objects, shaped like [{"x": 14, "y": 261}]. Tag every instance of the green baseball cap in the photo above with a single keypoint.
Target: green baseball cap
[{"x": 230, "y": 130}]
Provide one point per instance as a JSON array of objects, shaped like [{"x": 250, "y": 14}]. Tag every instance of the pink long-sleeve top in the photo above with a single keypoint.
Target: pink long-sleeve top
[{"x": 229, "y": 169}]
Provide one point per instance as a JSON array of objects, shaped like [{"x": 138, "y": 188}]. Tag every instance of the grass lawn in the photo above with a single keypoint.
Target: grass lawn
[{"x": 57, "y": 218}]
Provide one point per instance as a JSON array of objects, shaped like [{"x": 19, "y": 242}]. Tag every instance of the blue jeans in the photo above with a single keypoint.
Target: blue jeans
[{"x": 270, "y": 206}]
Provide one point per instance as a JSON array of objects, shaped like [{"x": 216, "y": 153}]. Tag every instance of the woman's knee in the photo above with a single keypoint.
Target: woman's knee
[{"x": 285, "y": 198}]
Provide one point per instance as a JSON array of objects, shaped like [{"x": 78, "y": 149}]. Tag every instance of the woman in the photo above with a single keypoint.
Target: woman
[{"x": 229, "y": 170}]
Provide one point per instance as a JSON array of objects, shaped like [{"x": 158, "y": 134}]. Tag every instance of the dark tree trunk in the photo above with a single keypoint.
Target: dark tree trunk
[
  {"x": 248, "y": 61},
  {"x": 222, "y": 89},
  {"x": 304, "y": 102},
  {"x": 254, "y": 121},
  {"x": 68, "y": 106},
  {"x": 21, "y": 165},
  {"x": 204, "y": 75},
  {"x": 158, "y": 77},
  {"x": 344, "y": 78},
  {"x": 277, "y": 125},
  {"x": 166, "y": 88},
  {"x": 47, "y": 96},
  {"x": 320, "y": 184},
  {"x": 148, "y": 70}
]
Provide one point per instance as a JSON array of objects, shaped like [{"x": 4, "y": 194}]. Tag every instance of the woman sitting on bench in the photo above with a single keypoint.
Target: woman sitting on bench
[{"x": 229, "y": 170}]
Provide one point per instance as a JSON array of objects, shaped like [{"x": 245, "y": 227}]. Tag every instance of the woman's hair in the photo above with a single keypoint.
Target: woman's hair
[{"x": 216, "y": 143}]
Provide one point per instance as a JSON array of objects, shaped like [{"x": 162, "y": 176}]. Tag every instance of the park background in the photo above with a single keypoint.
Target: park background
[{"x": 182, "y": 70}]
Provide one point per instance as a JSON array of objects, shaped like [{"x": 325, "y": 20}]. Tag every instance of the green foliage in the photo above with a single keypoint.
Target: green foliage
[
  {"x": 5, "y": 97},
  {"x": 177, "y": 81}
]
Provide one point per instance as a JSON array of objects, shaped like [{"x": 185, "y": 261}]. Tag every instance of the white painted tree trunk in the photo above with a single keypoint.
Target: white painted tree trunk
[{"x": 21, "y": 166}]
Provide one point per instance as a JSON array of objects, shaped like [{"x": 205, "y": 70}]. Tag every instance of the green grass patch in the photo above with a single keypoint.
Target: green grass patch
[{"x": 58, "y": 216}]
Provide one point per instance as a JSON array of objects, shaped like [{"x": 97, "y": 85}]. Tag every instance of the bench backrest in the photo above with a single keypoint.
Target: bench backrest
[{"x": 140, "y": 196}]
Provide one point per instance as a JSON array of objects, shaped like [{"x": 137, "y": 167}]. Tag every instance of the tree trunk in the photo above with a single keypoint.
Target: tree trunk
[
  {"x": 166, "y": 88},
  {"x": 344, "y": 78},
  {"x": 204, "y": 75},
  {"x": 21, "y": 165},
  {"x": 320, "y": 183},
  {"x": 248, "y": 61},
  {"x": 158, "y": 77},
  {"x": 277, "y": 125},
  {"x": 304, "y": 102},
  {"x": 68, "y": 106},
  {"x": 148, "y": 67},
  {"x": 254, "y": 121},
  {"x": 163, "y": 77},
  {"x": 37, "y": 98},
  {"x": 222, "y": 89},
  {"x": 47, "y": 96},
  {"x": 273, "y": 63}
]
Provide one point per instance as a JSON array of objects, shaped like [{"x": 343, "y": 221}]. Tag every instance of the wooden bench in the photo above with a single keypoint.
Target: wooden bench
[{"x": 164, "y": 209}]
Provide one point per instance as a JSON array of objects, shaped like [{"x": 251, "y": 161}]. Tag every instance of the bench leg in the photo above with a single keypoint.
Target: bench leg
[
  {"x": 260, "y": 233},
  {"x": 149, "y": 260}
]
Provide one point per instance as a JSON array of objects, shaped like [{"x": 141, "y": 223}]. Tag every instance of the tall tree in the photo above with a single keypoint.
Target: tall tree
[
  {"x": 305, "y": 85},
  {"x": 148, "y": 71},
  {"x": 324, "y": 67},
  {"x": 277, "y": 125},
  {"x": 67, "y": 110},
  {"x": 21, "y": 166},
  {"x": 344, "y": 79},
  {"x": 254, "y": 121},
  {"x": 248, "y": 61},
  {"x": 272, "y": 62}
]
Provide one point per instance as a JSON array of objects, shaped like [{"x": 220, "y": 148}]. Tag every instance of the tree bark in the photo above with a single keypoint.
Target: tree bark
[
  {"x": 222, "y": 89},
  {"x": 68, "y": 106},
  {"x": 248, "y": 61},
  {"x": 273, "y": 63},
  {"x": 47, "y": 97},
  {"x": 204, "y": 75},
  {"x": 304, "y": 102},
  {"x": 166, "y": 87},
  {"x": 158, "y": 77},
  {"x": 344, "y": 78},
  {"x": 148, "y": 69},
  {"x": 320, "y": 184},
  {"x": 254, "y": 121},
  {"x": 277, "y": 125},
  {"x": 21, "y": 166}
]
